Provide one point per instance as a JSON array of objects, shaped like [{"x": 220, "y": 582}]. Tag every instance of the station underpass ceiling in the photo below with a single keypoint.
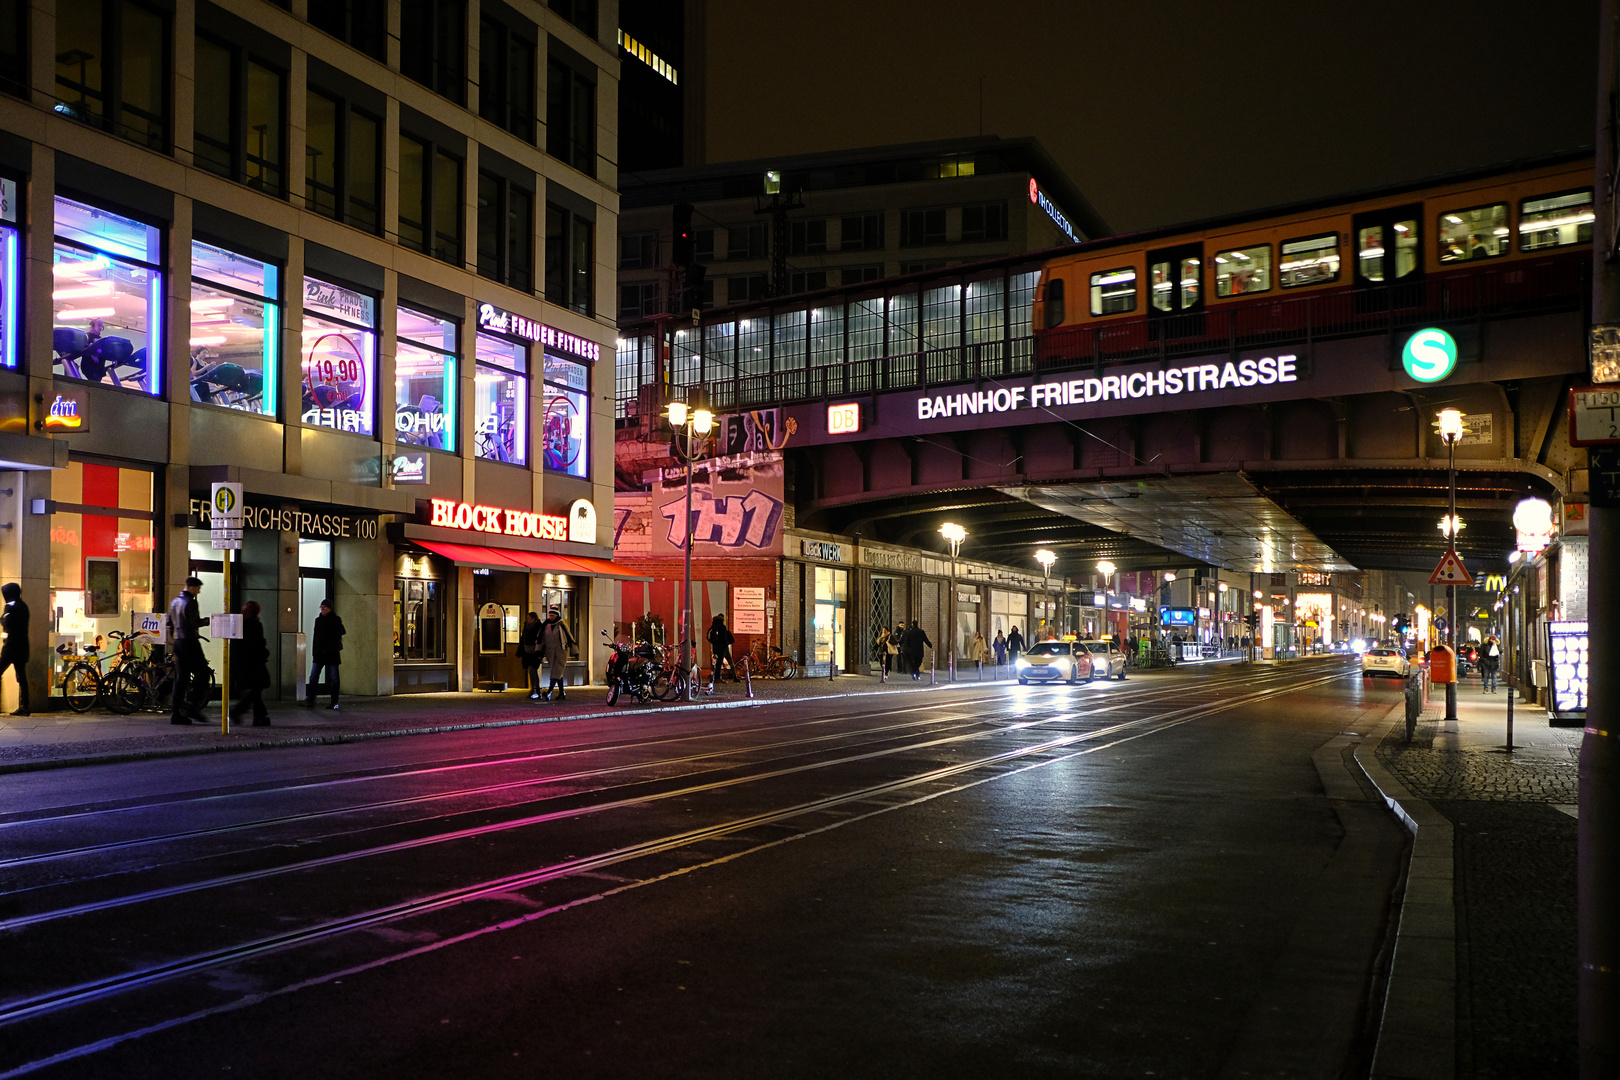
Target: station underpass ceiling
[{"x": 1315, "y": 518}]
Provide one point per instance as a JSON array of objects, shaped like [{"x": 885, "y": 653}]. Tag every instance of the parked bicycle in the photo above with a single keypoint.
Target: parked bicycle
[
  {"x": 146, "y": 684},
  {"x": 85, "y": 684},
  {"x": 770, "y": 662}
]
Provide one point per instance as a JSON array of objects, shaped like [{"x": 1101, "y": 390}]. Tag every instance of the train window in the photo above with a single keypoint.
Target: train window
[
  {"x": 1556, "y": 220},
  {"x": 1113, "y": 292},
  {"x": 1309, "y": 260},
  {"x": 1372, "y": 249},
  {"x": 1477, "y": 233},
  {"x": 1164, "y": 281},
  {"x": 1054, "y": 302},
  {"x": 1243, "y": 270}
]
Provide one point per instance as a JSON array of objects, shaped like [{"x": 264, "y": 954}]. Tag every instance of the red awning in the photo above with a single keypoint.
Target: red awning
[{"x": 510, "y": 559}]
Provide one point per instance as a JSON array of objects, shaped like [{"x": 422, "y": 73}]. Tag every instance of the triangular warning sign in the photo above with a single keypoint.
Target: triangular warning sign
[{"x": 1451, "y": 571}]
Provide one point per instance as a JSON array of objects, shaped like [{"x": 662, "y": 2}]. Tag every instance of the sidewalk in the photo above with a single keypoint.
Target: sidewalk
[
  {"x": 63, "y": 739},
  {"x": 1482, "y": 982}
]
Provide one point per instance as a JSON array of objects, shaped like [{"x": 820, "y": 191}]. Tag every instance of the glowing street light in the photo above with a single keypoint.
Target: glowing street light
[
  {"x": 954, "y": 534},
  {"x": 690, "y": 428}
]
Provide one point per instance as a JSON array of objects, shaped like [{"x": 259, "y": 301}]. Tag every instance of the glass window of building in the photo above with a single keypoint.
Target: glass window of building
[
  {"x": 703, "y": 245},
  {"x": 986, "y": 222},
  {"x": 1480, "y": 232},
  {"x": 339, "y": 358},
  {"x": 566, "y": 424},
  {"x": 745, "y": 287},
  {"x": 506, "y": 76},
  {"x": 341, "y": 157},
  {"x": 235, "y": 330},
  {"x": 1309, "y": 260},
  {"x": 429, "y": 199},
  {"x": 1243, "y": 270},
  {"x": 13, "y": 47},
  {"x": 425, "y": 381},
  {"x": 419, "y": 619},
  {"x": 918, "y": 227},
  {"x": 433, "y": 45},
  {"x": 861, "y": 232},
  {"x": 807, "y": 281},
  {"x": 1372, "y": 249},
  {"x": 582, "y": 13},
  {"x": 807, "y": 237},
  {"x": 1556, "y": 220},
  {"x": 102, "y": 553},
  {"x": 570, "y": 259},
  {"x": 638, "y": 298},
  {"x": 107, "y": 298},
  {"x": 857, "y": 275},
  {"x": 112, "y": 68},
  {"x": 361, "y": 23},
  {"x": 746, "y": 241},
  {"x": 10, "y": 274},
  {"x": 505, "y": 232},
  {"x": 639, "y": 251},
  {"x": 501, "y": 400},
  {"x": 239, "y": 120},
  {"x": 571, "y": 112},
  {"x": 1113, "y": 292}
]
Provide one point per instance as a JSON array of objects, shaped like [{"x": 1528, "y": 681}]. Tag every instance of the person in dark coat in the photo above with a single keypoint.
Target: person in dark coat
[
  {"x": 915, "y": 640},
  {"x": 1015, "y": 644},
  {"x": 14, "y": 653},
  {"x": 326, "y": 651},
  {"x": 720, "y": 639},
  {"x": 555, "y": 643},
  {"x": 529, "y": 653},
  {"x": 252, "y": 658},
  {"x": 191, "y": 667}
]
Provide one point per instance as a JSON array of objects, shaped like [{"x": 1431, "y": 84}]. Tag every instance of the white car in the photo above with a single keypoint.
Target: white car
[
  {"x": 1106, "y": 659},
  {"x": 1385, "y": 661},
  {"x": 1054, "y": 661}
]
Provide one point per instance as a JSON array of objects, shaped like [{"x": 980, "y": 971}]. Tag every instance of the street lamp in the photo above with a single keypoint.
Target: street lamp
[
  {"x": 1046, "y": 559},
  {"x": 1451, "y": 431},
  {"x": 1106, "y": 569},
  {"x": 954, "y": 534},
  {"x": 694, "y": 424}
]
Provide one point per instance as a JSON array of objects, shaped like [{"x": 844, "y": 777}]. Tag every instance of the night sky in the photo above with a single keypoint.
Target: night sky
[{"x": 1169, "y": 111}]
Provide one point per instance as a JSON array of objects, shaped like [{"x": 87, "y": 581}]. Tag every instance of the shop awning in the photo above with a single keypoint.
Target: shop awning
[{"x": 509, "y": 559}]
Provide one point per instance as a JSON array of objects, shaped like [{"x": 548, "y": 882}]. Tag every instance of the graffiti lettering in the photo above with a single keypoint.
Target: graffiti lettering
[{"x": 730, "y": 521}]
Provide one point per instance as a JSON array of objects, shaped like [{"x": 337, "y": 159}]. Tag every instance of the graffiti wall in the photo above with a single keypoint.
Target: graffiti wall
[{"x": 737, "y": 509}]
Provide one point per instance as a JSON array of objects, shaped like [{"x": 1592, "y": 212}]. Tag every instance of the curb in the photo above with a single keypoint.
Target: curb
[
  {"x": 339, "y": 738},
  {"x": 1417, "y": 1033}
]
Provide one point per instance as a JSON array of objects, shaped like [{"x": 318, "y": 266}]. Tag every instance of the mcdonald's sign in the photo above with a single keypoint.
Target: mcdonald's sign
[{"x": 1495, "y": 583}]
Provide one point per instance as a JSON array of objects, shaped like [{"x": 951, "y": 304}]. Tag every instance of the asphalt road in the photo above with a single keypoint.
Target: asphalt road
[{"x": 1175, "y": 876}]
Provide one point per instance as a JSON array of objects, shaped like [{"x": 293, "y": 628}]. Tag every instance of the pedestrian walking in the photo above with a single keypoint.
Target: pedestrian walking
[
  {"x": 1001, "y": 648},
  {"x": 1490, "y": 661},
  {"x": 252, "y": 658},
  {"x": 528, "y": 650},
  {"x": 720, "y": 639},
  {"x": 1015, "y": 644},
  {"x": 883, "y": 649},
  {"x": 326, "y": 651},
  {"x": 915, "y": 640},
  {"x": 185, "y": 635},
  {"x": 556, "y": 642},
  {"x": 14, "y": 653},
  {"x": 978, "y": 650}
]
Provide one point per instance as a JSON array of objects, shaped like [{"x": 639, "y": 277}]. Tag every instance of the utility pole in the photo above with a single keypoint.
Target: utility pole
[
  {"x": 777, "y": 206},
  {"x": 1598, "y": 931}
]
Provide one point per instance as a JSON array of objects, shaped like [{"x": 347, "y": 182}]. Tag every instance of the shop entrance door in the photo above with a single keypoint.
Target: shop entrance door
[
  {"x": 314, "y": 585},
  {"x": 832, "y": 594}
]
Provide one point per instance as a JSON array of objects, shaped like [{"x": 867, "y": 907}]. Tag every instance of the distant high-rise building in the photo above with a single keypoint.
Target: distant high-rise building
[{"x": 657, "y": 79}]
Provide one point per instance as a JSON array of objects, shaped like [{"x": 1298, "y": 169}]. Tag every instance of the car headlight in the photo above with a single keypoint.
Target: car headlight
[{"x": 1022, "y": 662}]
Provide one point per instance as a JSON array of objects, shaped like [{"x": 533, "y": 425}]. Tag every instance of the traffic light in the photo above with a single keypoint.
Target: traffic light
[
  {"x": 683, "y": 252},
  {"x": 1252, "y": 620},
  {"x": 1399, "y": 623}
]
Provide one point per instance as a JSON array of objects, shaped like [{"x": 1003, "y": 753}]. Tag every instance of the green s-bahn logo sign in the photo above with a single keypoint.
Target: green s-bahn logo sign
[{"x": 1430, "y": 355}]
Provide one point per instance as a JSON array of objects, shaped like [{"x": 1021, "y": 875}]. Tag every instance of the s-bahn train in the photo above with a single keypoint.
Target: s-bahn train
[{"x": 1462, "y": 247}]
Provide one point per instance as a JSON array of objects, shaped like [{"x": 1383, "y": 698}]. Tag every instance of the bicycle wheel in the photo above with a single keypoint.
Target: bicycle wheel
[
  {"x": 80, "y": 687},
  {"x": 661, "y": 686},
  {"x": 789, "y": 669},
  {"x": 123, "y": 691}
]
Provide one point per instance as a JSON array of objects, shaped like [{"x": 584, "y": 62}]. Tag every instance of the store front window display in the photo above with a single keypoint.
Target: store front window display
[
  {"x": 567, "y": 419},
  {"x": 340, "y": 357},
  {"x": 425, "y": 381},
  {"x": 106, "y": 298},
  {"x": 500, "y": 408},
  {"x": 235, "y": 330},
  {"x": 10, "y": 273}
]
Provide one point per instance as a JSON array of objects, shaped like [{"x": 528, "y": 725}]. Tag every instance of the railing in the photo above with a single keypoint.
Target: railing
[{"x": 1553, "y": 284}]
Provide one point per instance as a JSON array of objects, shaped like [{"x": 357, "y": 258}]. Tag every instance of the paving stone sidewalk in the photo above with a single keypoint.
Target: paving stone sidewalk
[{"x": 1514, "y": 890}]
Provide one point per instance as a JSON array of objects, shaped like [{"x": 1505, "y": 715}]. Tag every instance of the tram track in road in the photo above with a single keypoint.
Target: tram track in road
[
  {"x": 1001, "y": 763},
  {"x": 783, "y": 747}
]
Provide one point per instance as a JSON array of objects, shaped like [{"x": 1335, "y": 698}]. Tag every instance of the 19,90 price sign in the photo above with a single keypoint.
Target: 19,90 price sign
[{"x": 1594, "y": 416}]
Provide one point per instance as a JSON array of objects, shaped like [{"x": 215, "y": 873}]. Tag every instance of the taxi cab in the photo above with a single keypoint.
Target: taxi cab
[
  {"x": 1054, "y": 661},
  {"x": 1383, "y": 660}
]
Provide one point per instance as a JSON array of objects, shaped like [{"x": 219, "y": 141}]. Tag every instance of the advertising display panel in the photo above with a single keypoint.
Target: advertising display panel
[{"x": 340, "y": 358}]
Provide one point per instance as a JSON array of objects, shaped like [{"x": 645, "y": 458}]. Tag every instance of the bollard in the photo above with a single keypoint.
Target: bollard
[
  {"x": 933, "y": 666},
  {"x": 832, "y": 670},
  {"x": 748, "y": 676},
  {"x": 950, "y": 668},
  {"x": 883, "y": 670},
  {"x": 1510, "y": 694}
]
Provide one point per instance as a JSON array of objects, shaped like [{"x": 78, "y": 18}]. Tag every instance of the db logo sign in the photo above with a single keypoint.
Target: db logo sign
[{"x": 844, "y": 419}]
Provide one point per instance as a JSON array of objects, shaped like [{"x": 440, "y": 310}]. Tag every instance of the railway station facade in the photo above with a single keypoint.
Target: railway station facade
[{"x": 313, "y": 256}]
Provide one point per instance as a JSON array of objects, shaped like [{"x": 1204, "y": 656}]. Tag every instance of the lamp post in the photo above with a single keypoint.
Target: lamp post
[
  {"x": 1451, "y": 429},
  {"x": 954, "y": 534},
  {"x": 695, "y": 425},
  {"x": 1046, "y": 559},
  {"x": 1106, "y": 569}
]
